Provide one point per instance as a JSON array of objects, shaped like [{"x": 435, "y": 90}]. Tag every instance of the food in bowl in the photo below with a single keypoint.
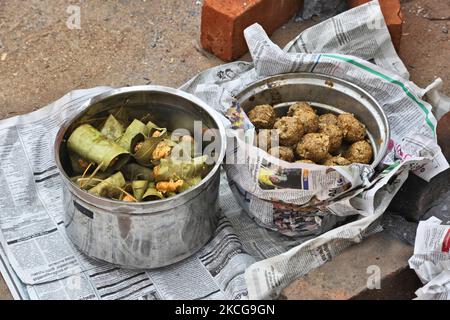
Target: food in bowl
[
  {"x": 133, "y": 160},
  {"x": 304, "y": 136}
]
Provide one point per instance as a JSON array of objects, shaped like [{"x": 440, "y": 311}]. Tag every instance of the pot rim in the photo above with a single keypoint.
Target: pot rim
[
  {"x": 141, "y": 207},
  {"x": 269, "y": 81}
]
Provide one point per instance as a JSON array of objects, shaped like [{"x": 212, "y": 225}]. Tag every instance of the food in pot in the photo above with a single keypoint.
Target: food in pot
[
  {"x": 328, "y": 118},
  {"x": 336, "y": 161},
  {"x": 313, "y": 146},
  {"x": 264, "y": 139},
  {"x": 133, "y": 161},
  {"x": 283, "y": 153},
  {"x": 335, "y": 135},
  {"x": 360, "y": 152},
  {"x": 352, "y": 129},
  {"x": 300, "y": 107},
  {"x": 289, "y": 130},
  {"x": 263, "y": 116},
  {"x": 302, "y": 136},
  {"x": 306, "y": 114}
]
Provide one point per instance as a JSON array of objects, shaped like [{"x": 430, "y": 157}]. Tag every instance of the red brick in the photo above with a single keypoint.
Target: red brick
[
  {"x": 392, "y": 14},
  {"x": 224, "y": 21}
]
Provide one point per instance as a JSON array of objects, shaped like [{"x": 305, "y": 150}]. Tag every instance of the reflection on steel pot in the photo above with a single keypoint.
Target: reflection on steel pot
[
  {"x": 143, "y": 234},
  {"x": 326, "y": 94}
]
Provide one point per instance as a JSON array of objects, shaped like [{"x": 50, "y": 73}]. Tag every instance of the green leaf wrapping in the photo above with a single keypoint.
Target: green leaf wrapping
[
  {"x": 75, "y": 162},
  {"x": 110, "y": 187},
  {"x": 90, "y": 144},
  {"x": 144, "y": 153},
  {"x": 189, "y": 183},
  {"x": 153, "y": 127},
  {"x": 136, "y": 132},
  {"x": 87, "y": 183},
  {"x": 152, "y": 194},
  {"x": 184, "y": 150},
  {"x": 121, "y": 115},
  {"x": 112, "y": 128},
  {"x": 139, "y": 188},
  {"x": 134, "y": 171},
  {"x": 172, "y": 169}
]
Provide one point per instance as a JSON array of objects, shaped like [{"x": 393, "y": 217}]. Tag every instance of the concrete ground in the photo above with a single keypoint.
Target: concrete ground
[{"x": 127, "y": 42}]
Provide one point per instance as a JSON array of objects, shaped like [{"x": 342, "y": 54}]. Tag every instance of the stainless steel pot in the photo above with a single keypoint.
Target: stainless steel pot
[
  {"x": 326, "y": 94},
  {"x": 149, "y": 234}
]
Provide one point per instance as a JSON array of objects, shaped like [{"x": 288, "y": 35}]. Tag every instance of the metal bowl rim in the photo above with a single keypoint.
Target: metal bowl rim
[
  {"x": 320, "y": 76},
  {"x": 100, "y": 201}
]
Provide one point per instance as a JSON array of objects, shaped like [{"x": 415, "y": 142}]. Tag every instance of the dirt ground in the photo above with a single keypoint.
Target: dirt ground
[{"x": 132, "y": 42}]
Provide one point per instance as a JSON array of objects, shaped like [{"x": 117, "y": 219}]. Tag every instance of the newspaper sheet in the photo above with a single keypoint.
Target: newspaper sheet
[
  {"x": 431, "y": 259},
  {"x": 242, "y": 260}
]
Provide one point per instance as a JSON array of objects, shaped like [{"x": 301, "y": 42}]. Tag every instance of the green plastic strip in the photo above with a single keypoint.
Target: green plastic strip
[{"x": 385, "y": 77}]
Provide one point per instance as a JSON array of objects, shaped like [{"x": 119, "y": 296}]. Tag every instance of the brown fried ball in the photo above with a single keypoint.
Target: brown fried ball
[
  {"x": 313, "y": 146},
  {"x": 328, "y": 118},
  {"x": 300, "y": 106},
  {"x": 305, "y": 161},
  {"x": 264, "y": 139},
  {"x": 289, "y": 130},
  {"x": 352, "y": 129},
  {"x": 306, "y": 114},
  {"x": 360, "y": 152},
  {"x": 263, "y": 116},
  {"x": 335, "y": 135},
  {"x": 309, "y": 120},
  {"x": 337, "y": 161},
  {"x": 283, "y": 153}
]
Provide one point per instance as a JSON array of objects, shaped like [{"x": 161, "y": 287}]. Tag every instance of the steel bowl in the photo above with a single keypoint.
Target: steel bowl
[
  {"x": 148, "y": 234},
  {"x": 326, "y": 94}
]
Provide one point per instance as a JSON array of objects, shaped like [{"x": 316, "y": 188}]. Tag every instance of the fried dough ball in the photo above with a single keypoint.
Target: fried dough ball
[
  {"x": 307, "y": 116},
  {"x": 328, "y": 118},
  {"x": 264, "y": 139},
  {"x": 352, "y": 129},
  {"x": 314, "y": 147},
  {"x": 305, "y": 161},
  {"x": 335, "y": 135},
  {"x": 263, "y": 116},
  {"x": 283, "y": 153},
  {"x": 337, "y": 161},
  {"x": 309, "y": 120},
  {"x": 360, "y": 152},
  {"x": 289, "y": 130},
  {"x": 300, "y": 107}
]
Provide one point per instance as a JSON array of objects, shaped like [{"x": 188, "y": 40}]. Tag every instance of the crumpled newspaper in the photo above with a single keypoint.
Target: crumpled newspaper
[
  {"x": 354, "y": 46},
  {"x": 431, "y": 259}
]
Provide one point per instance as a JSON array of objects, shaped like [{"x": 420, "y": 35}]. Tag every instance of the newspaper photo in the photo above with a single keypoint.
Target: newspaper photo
[{"x": 260, "y": 245}]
